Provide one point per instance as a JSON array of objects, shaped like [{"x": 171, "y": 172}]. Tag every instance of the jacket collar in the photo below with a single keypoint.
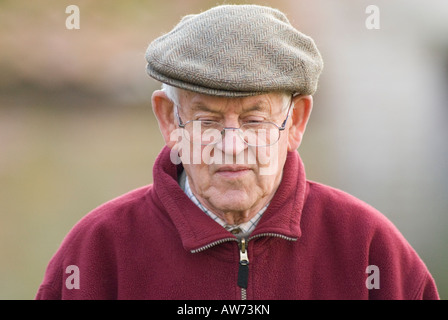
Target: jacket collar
[{"x": 197, "y": 230}]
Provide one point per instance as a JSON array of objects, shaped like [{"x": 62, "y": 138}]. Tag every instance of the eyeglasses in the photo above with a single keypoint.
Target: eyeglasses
[{"x": 255, "y": 134}]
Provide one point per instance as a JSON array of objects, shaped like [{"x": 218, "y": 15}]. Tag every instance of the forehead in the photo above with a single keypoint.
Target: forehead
[{"x": 269, "y": 102}]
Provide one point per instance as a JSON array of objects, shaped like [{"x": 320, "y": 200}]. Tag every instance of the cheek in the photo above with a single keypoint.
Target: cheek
[
  {"x": 200, "y": 175},
  {"x": 271, "y": 160},
  {"x": 199, "y": 172},
  {"x": 190, "y": 153}
]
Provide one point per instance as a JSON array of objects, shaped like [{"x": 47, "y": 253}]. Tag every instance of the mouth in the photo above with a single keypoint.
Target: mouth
[{"x": 233, "y": 171}]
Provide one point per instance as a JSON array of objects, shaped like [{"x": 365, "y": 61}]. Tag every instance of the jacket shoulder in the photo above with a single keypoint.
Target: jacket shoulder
[
  {"x": 357, "y": 227},
  {"x": 350, "y": 217},
  {"x": 336, "y": 204},
  {"x": 110, "y": 214},
  {"x": 92, "y": 244}
]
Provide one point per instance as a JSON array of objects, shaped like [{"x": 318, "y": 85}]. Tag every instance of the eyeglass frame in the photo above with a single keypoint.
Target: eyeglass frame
[{"x": 222, "y": 132}]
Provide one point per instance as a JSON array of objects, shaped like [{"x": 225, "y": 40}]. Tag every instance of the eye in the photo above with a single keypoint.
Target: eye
[
  {"x": 206, "y": 118},
  {"x": 254, "y": 120},
  {"x": 209, "y": 123}
]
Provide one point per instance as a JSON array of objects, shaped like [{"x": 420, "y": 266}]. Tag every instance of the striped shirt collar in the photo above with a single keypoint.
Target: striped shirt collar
[{"x": 241, "y": 230}]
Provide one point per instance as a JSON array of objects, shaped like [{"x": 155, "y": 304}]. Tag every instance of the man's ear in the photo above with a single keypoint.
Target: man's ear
[
  {"x": 164, "y": 111},
  {"x": 302, "y": 106}
]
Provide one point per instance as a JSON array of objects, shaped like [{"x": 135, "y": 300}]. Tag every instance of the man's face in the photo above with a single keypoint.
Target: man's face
[{"x": 231, "y": 176}]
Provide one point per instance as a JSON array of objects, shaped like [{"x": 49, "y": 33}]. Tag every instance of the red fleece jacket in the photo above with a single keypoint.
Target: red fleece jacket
[{"x": 313, "y": 242}]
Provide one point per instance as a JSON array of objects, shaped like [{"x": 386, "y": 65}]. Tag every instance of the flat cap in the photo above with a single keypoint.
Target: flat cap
[{"x": 235, "y": 51}]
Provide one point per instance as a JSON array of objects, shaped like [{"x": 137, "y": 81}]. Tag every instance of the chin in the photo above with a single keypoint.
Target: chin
[{"x": 225, "y": 202}]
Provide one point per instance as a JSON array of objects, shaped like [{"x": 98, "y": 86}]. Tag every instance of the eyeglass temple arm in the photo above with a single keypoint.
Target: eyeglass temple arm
[
  {"x": 179, "y": 120},
  {"x": 283, "y": 127}
]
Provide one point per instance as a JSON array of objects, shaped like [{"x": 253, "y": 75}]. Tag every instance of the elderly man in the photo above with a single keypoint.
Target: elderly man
[{"x": 230, "y": 214}]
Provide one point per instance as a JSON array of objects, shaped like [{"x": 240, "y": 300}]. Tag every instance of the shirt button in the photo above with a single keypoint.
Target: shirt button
[{"x": 236, "y": 231}]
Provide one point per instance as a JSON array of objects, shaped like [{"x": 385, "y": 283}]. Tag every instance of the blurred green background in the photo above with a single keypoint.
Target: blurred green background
[{"x": 77, "y": 129}]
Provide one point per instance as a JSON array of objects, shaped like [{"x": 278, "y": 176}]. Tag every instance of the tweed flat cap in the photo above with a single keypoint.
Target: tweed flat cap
[{"x": 235, "y": 51}]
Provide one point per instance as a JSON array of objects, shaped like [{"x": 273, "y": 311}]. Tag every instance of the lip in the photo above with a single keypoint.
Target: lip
[{"x": 234, "y": 171}]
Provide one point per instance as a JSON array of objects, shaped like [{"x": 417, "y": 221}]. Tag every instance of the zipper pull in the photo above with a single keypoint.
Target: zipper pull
[{"x": 243, "y": 270}]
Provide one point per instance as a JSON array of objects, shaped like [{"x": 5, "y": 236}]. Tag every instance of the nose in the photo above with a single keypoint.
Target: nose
[{"x": 231, "y": 143}]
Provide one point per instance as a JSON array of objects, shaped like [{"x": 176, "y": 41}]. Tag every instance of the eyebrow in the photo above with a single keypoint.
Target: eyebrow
[
  {"x": 201, "y": 107},
  {"x": 257, "y": 106}
]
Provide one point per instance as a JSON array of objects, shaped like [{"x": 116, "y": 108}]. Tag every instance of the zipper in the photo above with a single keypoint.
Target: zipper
[
  {"x": 243, "y": 268},
  {"x": 212, "y": 244},
  {"x": 276, "y": 235}
]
